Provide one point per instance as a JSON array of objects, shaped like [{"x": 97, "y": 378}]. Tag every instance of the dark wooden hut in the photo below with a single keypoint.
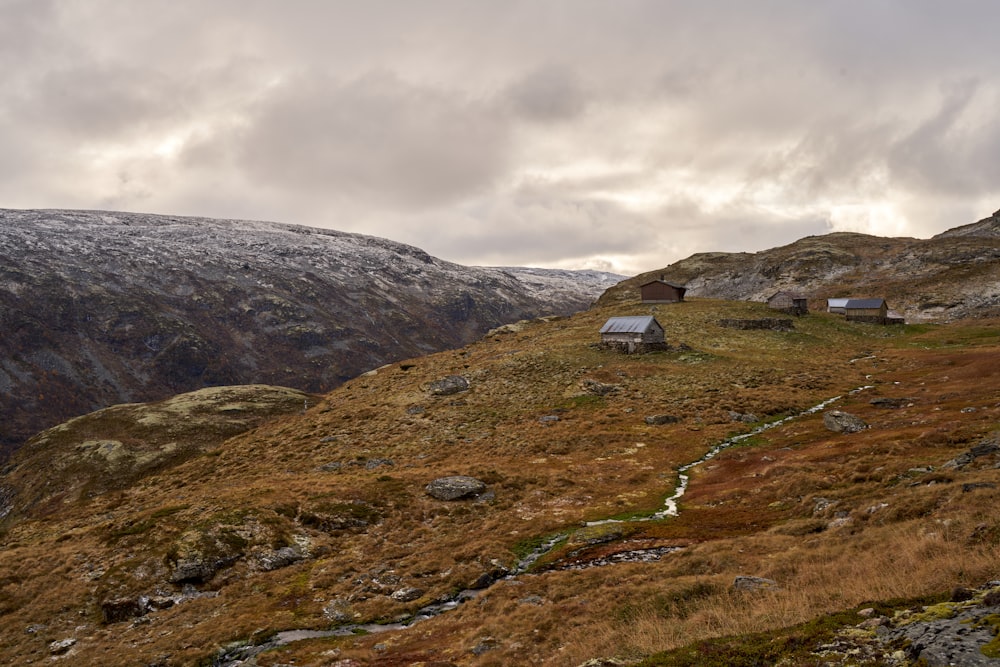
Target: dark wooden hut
[{"x": 661, "y": 291}]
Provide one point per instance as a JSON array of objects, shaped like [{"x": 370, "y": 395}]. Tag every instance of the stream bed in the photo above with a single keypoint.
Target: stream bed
[{"x": 239, "y": 654}]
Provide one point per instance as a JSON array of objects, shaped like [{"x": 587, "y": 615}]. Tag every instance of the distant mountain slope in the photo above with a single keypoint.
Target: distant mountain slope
[
  {"x": 954, "y": 275},
  {"x": 985, "y": 228},
  {"x": 99, "y": 308}
]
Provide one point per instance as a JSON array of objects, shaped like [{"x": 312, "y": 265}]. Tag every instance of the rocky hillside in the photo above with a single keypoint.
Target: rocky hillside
[
  {"x": 520, "y": 501},
  {"x": 953, "y": 275},
  {"x": 101, "y": 308}
]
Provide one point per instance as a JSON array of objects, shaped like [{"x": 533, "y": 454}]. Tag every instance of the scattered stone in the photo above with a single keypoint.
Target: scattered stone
[
  {"x": 599, "y": 388},
  {"x": 947, "y": 641},
  {"x": 61, "y": 646},
  {"x": 372, "y": 464},
  {"x": 548, "y": 419},
  {"x": 984, "y": 448},
  {"x": 821, "y": 504},
  {"x": 35, "y": 628},
  {"x": 659, "y": 420},
  {"x": 765, "y": 323},
  {"x": 744, "y": 417},
  {"x": 972, "y": 486},
  {"x": 490, "y": 577},
  {"x": 457, "y": 487},
  {"x": 748, "y": 583},
  {"x": 485, "y": 645},
  {"x": 843, "y": 422},
  {"x": 453, "y": 384},
  {"x": 968, "y": 410},
  {"x": 532, "y": 599},
  {"x": 122, "y": 609},
  {"x": 338, "y": 611},
  {"x": 416, "y": 410},
  {"x": 279, "y": 558},
  {"x": 891, "y": 403},
  {"x": 332, "y": 466},
  {"x": 408, "y": 594}
]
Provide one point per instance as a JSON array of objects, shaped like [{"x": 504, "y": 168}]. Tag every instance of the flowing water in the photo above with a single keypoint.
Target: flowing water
[{"x": 238, "y": 654}]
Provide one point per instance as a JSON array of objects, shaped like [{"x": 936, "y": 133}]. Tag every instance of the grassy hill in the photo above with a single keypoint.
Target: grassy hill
[{"x": 321, "y": 520}]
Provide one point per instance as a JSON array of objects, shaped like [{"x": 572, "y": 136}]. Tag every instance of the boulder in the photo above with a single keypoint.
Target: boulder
[
  {"x": 407, "y": 594},
  {"x": 599, "y": 388},
  {"x": 843, "y": 422},
  {"x": 456, "y": 487},
  {"x": 659, "y": 420},
  {"x": 891, "y": 403},
  {"x": 453, "y": 384},
  {"x": 748, "y": 583},
  {"x": 122, "y": 609}
]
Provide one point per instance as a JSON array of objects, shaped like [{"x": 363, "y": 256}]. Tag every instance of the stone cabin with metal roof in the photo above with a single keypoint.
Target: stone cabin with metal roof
[
  {"x": 632, "y": 334},
  {"x": 661, "y": 291}
]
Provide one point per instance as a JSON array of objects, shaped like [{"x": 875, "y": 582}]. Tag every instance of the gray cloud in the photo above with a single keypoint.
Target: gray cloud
[{"x": 561, "y": 132}]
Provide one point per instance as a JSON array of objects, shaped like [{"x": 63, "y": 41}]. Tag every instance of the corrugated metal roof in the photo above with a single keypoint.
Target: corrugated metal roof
[
  {"x": 630, "y": 324},
  {"x": 836, "y": 303},
  {"x": 864, "y": 303}
]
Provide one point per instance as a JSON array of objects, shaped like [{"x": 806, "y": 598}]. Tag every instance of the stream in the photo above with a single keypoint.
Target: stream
[{"x": 237, "y": 655}]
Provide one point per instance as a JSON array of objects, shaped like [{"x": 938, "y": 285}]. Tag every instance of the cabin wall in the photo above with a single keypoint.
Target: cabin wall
[{"x": 660, "y": 293}]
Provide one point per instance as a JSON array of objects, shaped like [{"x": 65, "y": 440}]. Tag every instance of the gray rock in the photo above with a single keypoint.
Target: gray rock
[
  {"x": 61, "y": 646},
  {"x": 748, "y": 583},
  {"x": 599, "y": 388},
  {"x": 194, "y": 569},
  {"x": 408, "y": 594},
  {"x": 279, "y": 558},
  {"x": 456, "y": 487},
  {"x": 891, "y": 403},
  {"x": 122, "y": 609},
  {"x": 984, "y": 448},
  {"x": 843, "y": 422},
  {"x": 659, "y": 420},
  {"x": 949, "y": 641},
  {"x": 485, "y": 645},
  {"x": 744, "y": 417},
  {"x": 453, "y": 384},
  {"x": 548, "y": 419}
]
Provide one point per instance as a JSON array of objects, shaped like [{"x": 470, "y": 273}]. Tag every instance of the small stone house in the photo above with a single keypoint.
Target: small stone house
[
  {"x": 874, "y": 311},
  {"x": 638, "y": 333},
  {"x": 661, "y": 291},
  {"x": 787, "y": 302}
]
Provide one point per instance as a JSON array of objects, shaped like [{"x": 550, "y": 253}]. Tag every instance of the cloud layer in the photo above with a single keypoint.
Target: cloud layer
[{"x": 580, "y": 133}]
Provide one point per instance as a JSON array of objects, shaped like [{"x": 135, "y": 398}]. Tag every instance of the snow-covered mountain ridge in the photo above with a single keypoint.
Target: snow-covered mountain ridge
[{"x": 99, "y": 308}]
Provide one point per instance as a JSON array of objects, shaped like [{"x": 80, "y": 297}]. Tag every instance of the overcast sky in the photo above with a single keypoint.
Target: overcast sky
[{"x": 613, "y": 134}]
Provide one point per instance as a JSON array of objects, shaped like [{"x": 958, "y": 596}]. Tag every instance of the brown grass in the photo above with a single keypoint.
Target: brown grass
[{"x": 835, "y": 519}]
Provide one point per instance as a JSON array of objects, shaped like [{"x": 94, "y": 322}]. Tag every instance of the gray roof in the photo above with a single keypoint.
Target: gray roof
[
  {"x": 864, "y": 303},
  {"x": 630, "y": 324},
  {"x": 837, "y": 303}
]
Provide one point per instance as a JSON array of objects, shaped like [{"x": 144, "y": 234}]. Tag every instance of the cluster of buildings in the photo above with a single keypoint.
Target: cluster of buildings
[{"x": 639, "y": 333}]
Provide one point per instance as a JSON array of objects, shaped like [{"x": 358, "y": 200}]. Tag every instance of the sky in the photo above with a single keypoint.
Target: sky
[{"x": 620, "y": 135}]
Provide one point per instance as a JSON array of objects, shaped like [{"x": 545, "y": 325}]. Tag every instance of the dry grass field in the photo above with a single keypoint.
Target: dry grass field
[{"x": 557, "y": 430}]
